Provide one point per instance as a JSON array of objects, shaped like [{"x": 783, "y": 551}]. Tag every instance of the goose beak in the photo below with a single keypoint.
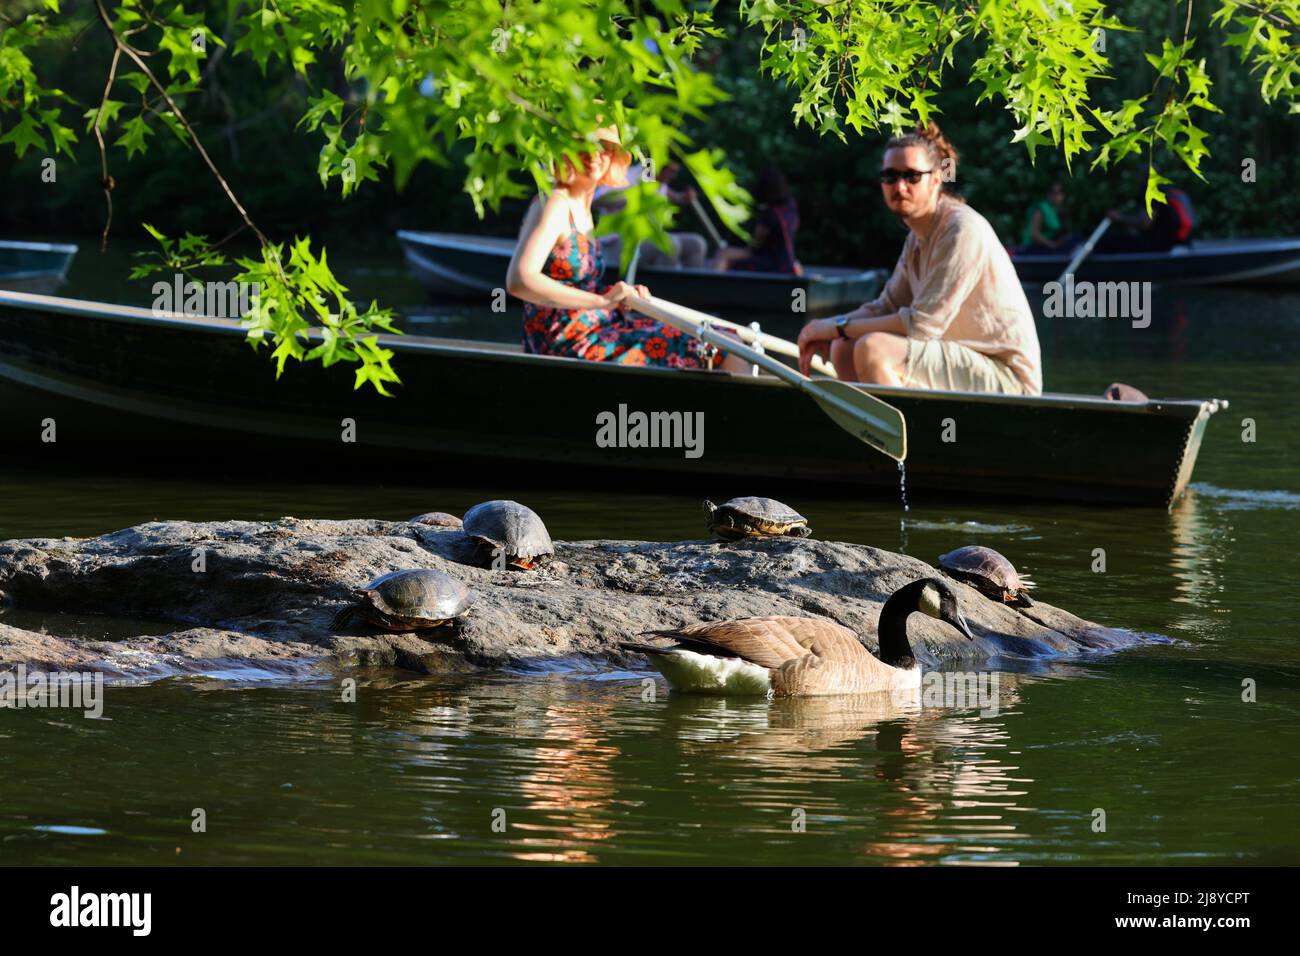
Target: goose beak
[{"x": 959, "y": 622}]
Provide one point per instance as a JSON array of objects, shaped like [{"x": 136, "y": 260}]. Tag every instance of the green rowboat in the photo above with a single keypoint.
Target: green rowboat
[{"x": 127, "y": 382}]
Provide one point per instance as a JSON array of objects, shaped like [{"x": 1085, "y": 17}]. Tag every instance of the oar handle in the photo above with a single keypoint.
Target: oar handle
[
  {"x": 1085, "y": 250},
  {"x": 771, "y": 343},
  {"x": 672, "y": 314},
  {"x": 708, "y": 223}
]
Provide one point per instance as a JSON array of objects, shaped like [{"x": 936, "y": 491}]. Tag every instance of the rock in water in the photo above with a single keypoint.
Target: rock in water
[{"x": 270, "y": 590}]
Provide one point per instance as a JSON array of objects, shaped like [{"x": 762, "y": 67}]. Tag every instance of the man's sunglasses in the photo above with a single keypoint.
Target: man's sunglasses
[{"x": 913, "y": 176}]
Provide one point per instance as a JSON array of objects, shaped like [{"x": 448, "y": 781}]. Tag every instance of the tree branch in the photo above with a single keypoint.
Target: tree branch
[
  {"x": 104, "y": 178},
  {"x": 124, "y": 47}
]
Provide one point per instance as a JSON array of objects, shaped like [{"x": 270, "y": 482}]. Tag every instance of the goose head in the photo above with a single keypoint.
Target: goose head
[
  {"x": 939, "y": 601},
  {"x": 929, "y": 596}
]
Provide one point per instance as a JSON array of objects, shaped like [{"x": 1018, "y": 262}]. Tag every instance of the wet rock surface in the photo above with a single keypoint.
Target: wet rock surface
[{"x": 266, "y": 592}]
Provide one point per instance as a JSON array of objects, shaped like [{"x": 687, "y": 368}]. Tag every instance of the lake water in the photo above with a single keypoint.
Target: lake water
[{"x": 570, "y": 764}]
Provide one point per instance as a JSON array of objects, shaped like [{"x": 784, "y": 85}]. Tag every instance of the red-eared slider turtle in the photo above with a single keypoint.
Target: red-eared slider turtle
[
  {"x": 755, "y": 518},
  {"x": 508, "y": 531},
  {"x": 989, "y": 573},
  {"x": 437, "y": 519},
  {"x": 406, "y": 600}
]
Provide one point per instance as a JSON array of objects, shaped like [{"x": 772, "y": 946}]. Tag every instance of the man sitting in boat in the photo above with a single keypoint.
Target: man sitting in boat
[
  {"x": 556, "y": 269},
  {"x": 953, "y": 315},
  {"x": 1171, "y": 224},
  {"x": 776, "y": 220},
  {"x": 689, "y": 248}
]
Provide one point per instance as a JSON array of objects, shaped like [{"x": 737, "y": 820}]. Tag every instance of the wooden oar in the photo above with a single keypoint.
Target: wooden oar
[
  {"x": 1085, "y": 250},
  {"x": 862, "y": 415},
  {"x": 708, "y": 223}
]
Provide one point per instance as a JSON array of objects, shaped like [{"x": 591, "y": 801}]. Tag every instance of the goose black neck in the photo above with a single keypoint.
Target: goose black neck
[{"x": 895, "y": 648}]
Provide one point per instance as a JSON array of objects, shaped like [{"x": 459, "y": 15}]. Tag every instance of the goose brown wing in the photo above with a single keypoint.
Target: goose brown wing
[{"x": 773, "y": 642}]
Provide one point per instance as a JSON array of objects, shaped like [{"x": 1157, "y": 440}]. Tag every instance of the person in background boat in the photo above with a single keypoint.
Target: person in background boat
[
  {"x": 776, "y": 221},
  {"x": 1047, "y": 228},
  {"x": 953, "y": 315},
  {"x": 689, "y": 248},
  {"x": 1171, "y": 224},
  {"x": 556, "y": 269}
]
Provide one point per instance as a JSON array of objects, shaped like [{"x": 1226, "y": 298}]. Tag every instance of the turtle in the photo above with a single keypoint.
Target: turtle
[
  {"x": 989, "y": 573},
  {"x": 437, "y": 519},
  {"x": 407, "y": 600},
  {"x": 507, "y": 530},
  {"x": 755, "y": 518}
]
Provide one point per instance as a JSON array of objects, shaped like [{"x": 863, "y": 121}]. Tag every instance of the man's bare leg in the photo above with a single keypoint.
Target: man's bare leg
[
  {"x": 879, "y": 358},
  {"x": 842, "y": 359}
]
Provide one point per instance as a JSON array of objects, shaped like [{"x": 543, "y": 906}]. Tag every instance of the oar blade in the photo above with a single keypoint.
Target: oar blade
[{"x": 866, "y": 417}]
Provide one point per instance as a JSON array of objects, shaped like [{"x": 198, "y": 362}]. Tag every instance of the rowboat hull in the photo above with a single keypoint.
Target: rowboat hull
[
  {"x": 1259, "y": 262},
  {"x": 127, "y": 381},
  {"x": 453, "y": 266},
  {"x": 34, "y": 266}
]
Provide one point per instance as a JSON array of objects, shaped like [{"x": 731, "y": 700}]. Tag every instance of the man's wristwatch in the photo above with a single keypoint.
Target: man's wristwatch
[{"x": 840, "y": 325}]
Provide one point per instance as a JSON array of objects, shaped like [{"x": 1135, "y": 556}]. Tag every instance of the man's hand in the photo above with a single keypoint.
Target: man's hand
[{"x": 815, "y": 338}]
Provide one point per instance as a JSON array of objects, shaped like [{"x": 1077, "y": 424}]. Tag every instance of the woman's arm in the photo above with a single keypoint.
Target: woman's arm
[{"x": 524, "y": 279}]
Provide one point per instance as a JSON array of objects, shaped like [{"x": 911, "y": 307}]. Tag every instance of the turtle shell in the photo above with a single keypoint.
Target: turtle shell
[
  {"x": 508, "y": 526},
  {"x": 755, "y": 517},
  {"x": 405, "y": 600},
  {"x": 419, "y": 594},
  {"x": 988, "y": 572},
  {"x": 437, "y": 519}
]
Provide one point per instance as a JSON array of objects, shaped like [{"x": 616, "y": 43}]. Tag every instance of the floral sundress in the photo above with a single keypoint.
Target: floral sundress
[{"x": 602, "y": 335}]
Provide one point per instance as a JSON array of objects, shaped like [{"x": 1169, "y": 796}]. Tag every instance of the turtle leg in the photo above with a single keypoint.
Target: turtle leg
[
  {"x": 341, "y": 619},
  {"x": 1019, "y": 599},
  {"x": 802, "y": 531}
]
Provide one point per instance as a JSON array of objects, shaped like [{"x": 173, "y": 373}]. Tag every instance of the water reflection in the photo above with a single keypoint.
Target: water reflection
[
  {"x": 1201, "y": 536},
  {"x": 939, "y": 774}
]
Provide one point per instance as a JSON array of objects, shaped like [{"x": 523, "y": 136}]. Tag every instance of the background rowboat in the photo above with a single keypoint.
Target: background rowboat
[
  {"x": 121, "y": 378},
  {"x": 1264, "y": 262},
  {"x": 34, "y": 266},
  {"x": 461, "y": 266}
]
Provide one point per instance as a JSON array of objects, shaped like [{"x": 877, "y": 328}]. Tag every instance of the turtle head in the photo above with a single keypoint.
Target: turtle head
[
  {"x": 709, "y": 510},
  {"x": 938, "y": 600}
]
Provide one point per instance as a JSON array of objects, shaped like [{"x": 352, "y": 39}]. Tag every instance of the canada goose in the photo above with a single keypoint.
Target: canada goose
[{"x": 789, "y": 656}]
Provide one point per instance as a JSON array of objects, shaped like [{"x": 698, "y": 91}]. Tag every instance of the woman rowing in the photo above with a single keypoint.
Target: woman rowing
[
  {"x": 556, "y": 269},
  {"x": 953, "y": 314}
]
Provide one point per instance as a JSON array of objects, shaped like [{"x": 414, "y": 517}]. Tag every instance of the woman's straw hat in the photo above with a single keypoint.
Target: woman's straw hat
[
  {"x": 609, "y": 134},
  {"x": 617, "y": 175}
]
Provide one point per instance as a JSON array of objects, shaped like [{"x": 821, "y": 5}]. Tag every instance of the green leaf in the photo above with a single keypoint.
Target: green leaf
[
  {"x": 25, "y": 135},
  {"x": 1154, "y": 193},
  {"x": 110, "y": 110},
  {"x": 133, "y": 135}
]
